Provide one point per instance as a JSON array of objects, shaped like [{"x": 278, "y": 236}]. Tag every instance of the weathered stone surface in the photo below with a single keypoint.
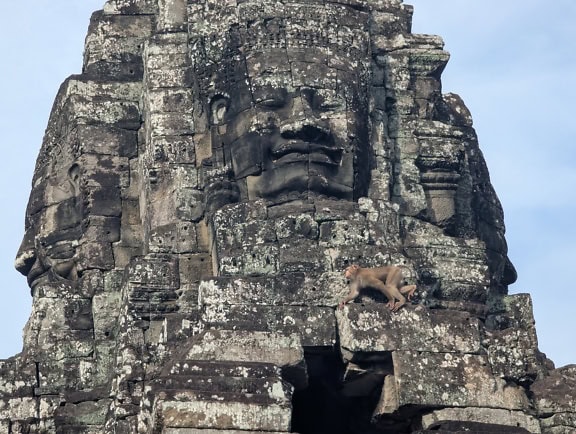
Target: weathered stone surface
[
  {"x": 314, "y": 325},
  {"x": 484, "y": 416},
  {"x": 559, "y": 423},
  {"x": 513, "y": 345},
  {"x": 555, "y": 393},
  {"x": 17, "y": 379},
  {"x": 374, "y": 328},
  {"x": 246, "y": 346},
  {"x": 186, "y": 409},
  {"x": 211, "y": 431},
  {"x": 473, "y": 427},
  {"x": 200, "y": 189},
  {"x": 311, "y": 289},
  {"x": 460, "y": 381},
  {"x": 85, "y": 413}
]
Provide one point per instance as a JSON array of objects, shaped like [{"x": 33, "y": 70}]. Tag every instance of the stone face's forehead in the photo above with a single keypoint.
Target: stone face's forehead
[
  {"x": 278, "y": 18},
  {"x": 295, "y": 68},
  {"x": 278, "y": 40}
]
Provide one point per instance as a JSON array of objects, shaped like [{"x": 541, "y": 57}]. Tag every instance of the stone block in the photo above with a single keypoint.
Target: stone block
[
  {"x": 170, "y": 100},
  {"x": 249, "y": 346},
  {"x": 130, "y": 213},
  {"x": 18, "y": 409},
  {"x": 172, "y": 15},
  {"x": 303, "y": 256},
  {"x": 314, "y": 325},
  {"x": 103, "y": 171},
  {"x": 105, "y": 313},
  {"x": 103, "y": 229},
  {"x": 55, "y": 376},
  {"x": 178, "y": 237},
  {"x": 106, "y": 140},
  {"x": 124, "y": 67},
  {"x": 190, "y": 204},
  {"x": 296, "y": 226},
  {"x": 459, "y": 380},
  {"x": 239, "y": 213},
  {"x": 105, "y": 201},
  {"x": 246, "y": 346},
  {"x": 169, "y": 78},
  {"x": 84, "y": 413},
  {"x": 310, "y": 289},
  {"x": 374, "y": 328},
  {"x": 181, "y": 325},
  {"x": 91, "y": 89},
  {"x": 81, "y": 110},
  {"x": 170, "y": 124},
  {"x": 222, "y": 411},
  {"x": 512, "y": 419},
  {"x": 16, "y": 379},
  {"x": 514, "y": 354},
  {"x": 559, "y": 423},
  {"x": 211, "y": 431},
  {"x": 343, "y": 233},
  {"x": 130, "y": 7},
  {"x": 555, "y": 393},
  {"x": 124, "y": 254},
  {"x": 261, "y": 260},
  {"x": 271, "y": 387},
  {"x": 195, "y": 267},
  {"x": 95, "y": 255},
  {"x": 210, "y": 368},
  {"x": 66, "y": 314},
  {"x": 240, "y": 234},
  {"x": 154, "y": 271},
  {"x": 174, "y": 149}
]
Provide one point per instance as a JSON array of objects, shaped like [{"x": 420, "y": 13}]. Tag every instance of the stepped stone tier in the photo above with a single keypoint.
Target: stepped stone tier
[{"x": 201, "y": 187}]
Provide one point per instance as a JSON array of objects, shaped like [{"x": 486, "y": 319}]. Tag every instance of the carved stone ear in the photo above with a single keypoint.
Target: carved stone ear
[
  {"x": 74, "y": 177},
  {"x": 218, "y": 109}
]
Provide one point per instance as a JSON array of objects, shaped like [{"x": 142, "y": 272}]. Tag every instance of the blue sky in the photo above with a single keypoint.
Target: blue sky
[{"x": 513, "y": 62}]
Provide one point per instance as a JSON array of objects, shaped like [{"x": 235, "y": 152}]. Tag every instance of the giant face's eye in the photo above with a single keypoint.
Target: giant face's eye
[
  {"x": 327, "y": 100},
  {"x": 272, "y": 103},
  {"x": 270, "y": 98}
]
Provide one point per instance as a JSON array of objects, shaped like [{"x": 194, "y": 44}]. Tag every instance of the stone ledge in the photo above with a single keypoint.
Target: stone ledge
[
  {"x": 374, "y": 328},
  {"x": 315, "y": 325},
  {"x": 187, "y": 409},
  {"x": 312, "y": 289},
  {"x": 482, "y": 415}
]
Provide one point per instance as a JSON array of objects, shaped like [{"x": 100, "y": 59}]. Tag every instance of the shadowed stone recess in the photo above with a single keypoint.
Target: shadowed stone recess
[{"x": 200, "y": 189}]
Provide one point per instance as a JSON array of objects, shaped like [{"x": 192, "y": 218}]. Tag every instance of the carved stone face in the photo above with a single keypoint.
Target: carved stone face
[
  {"x": 53, "y": 228},
  {"x": 295, "y": 142}
]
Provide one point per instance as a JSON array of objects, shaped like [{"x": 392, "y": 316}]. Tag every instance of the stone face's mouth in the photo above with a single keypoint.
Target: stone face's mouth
[
  {"x": 36, "y": 275},
  {"x": 296, "y": 151}
]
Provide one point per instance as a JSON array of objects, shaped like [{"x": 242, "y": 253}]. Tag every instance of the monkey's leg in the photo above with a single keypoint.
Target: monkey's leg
[
  {"x": 401, "y": 299},
  {"x": 391, "y": 292},
  {"x": 354, "y": 292},
  {"x": 408, "y": 291}
]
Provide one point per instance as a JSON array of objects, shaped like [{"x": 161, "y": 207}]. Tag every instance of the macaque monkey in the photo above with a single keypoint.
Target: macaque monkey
[{"x": 384, "y": 279}]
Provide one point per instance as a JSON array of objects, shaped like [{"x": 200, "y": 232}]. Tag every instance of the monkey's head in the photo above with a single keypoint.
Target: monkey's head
[{"x": 351, "y": 271}]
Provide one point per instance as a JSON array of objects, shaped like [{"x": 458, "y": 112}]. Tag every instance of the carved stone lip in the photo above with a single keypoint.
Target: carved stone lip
[
  {"x": 294, "y": 151},
  {"x": 36, "y": 276}
]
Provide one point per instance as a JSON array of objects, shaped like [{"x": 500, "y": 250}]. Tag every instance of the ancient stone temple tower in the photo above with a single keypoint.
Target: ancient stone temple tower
[{"x": 202, "y": 186}]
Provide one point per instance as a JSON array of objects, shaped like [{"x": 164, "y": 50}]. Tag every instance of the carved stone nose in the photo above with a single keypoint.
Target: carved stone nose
[
  {"x": 26, "y": 255},
  {"x": 308, "y": 130}
]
